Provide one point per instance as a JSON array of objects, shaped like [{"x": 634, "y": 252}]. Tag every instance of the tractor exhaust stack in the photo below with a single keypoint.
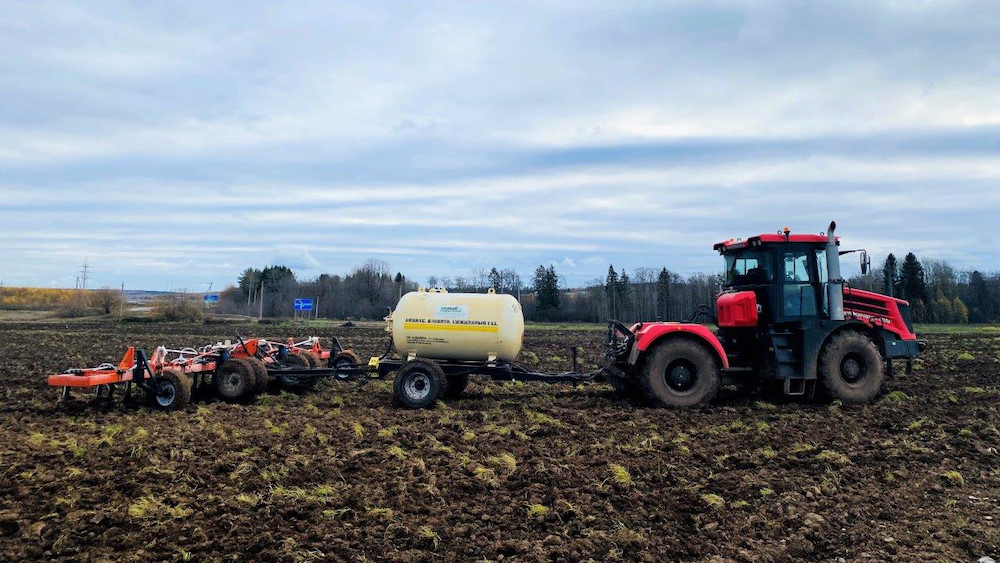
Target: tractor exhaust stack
[{"x": 835, "y": 284}]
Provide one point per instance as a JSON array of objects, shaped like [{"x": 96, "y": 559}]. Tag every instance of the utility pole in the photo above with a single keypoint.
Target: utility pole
[
  {"x": 84, "y": 273},
  {"x": 249, "y": 291},
  {"x": 260, "y": 315},
  {"x": 121, "y": 304},
  {"x": 316, "y": 316}
]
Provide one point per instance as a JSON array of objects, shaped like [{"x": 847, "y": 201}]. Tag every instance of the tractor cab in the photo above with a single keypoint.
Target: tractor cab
[{"x": 786, "y": 274}]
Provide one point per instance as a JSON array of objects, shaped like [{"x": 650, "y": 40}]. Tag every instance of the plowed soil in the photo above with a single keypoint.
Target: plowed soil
[{"x": 509, "y": 472}]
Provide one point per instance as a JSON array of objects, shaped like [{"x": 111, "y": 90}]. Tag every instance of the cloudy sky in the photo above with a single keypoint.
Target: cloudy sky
[{"x": 173, "y": 144}]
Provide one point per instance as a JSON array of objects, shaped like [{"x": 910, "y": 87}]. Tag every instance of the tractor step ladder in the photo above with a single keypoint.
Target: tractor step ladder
[{"x": 786, "y": 347}]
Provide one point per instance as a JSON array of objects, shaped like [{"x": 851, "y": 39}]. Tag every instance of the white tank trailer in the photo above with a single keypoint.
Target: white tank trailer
[
  {"x": 438, "y": 325},
  {"x": 443, "y": 338}
]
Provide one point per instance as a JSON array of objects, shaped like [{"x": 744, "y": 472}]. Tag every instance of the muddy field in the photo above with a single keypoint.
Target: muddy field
[{"x": 511, "y": 472}]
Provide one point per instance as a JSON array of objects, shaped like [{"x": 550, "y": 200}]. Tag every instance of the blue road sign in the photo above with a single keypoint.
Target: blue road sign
[
  {"x": 303, "y": 304},
  {"x": 211, "y": 298}
]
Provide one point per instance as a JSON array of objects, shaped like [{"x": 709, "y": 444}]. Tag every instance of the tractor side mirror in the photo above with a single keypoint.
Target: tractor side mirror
[{"x": 866, "y": 262}]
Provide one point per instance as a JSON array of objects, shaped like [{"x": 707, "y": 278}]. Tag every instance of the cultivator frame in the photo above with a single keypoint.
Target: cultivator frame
[{"x": 237, "y": 371}]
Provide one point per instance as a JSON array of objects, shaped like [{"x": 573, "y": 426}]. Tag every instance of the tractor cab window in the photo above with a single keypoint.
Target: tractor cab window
[
  {"x": 750, "y": 267},
  {"x": 824, "y": 276},
  {"x": 799, "y": 292}
]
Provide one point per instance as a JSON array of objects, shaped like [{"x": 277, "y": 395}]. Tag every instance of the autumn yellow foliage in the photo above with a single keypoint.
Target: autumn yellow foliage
[{"x": 37, "y": 297}]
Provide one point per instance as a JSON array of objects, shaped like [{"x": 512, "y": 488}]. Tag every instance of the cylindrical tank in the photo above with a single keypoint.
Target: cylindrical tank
[{"x": 439, "y": 325}]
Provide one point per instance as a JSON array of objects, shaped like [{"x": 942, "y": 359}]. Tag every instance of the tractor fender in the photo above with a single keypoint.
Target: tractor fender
[{"x": 649, "y": 334}]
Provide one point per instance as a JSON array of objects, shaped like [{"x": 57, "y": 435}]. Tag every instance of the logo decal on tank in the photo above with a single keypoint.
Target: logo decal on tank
[{"x": 451, "y": 312}]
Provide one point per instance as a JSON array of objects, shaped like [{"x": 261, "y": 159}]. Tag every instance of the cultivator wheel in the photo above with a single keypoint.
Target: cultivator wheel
[
  {"x": 311, "y": 358},
  {"x": 346, "y": 361},
  {"x": 419, "y": 384},
  {"x": 456, "y": 385},
  {"x": 170, "y": 391},
  {"x": 235, "y": 380},
  {"x": 301, "y": 361},
  {"x": 261, "y": 378}
]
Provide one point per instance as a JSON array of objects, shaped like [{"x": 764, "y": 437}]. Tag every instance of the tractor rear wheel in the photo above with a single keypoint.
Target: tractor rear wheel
[
  {"x": 680, "y": 373},
  {"x": 419, "y": 384},
  {"x": 456, "y": 385},
  {"x": 851, "y": 368},
  {"x": 261, "y": 378},
  {"x": 235, "y": 380},
  {"x": 171, "y": 390},
  {"x": 345, "y": 360}
]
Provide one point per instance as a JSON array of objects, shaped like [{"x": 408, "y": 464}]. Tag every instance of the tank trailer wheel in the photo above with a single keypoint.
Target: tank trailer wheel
[
  {"x": 419, "y": 384},
  {"x": 680, "y": 374},
  {"x": 346, "y": 359},
  {"x": 171, "y": 391},
  {"x": 456, "y": 385},
  {"x": 261, "y": 378},
  {"x": 235, "y": 380},
  {"x": 851, "y": 368}
]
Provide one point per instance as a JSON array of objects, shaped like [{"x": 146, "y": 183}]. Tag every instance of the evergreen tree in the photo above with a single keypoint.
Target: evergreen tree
[
  {"x": 890, "y": 274},
  {"x": 912, "y": 285},
  {"x": 546, "y": 291},
  {"x": 496, "y": 280},
  {"x": 624, "y": 291},
  {"x": 611, "y": 291},
  {"x": 979, "y": 298},
  {"x": 663, "y": 295}
]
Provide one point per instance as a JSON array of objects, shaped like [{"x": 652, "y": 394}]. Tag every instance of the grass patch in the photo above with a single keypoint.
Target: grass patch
[
  {"x": 537, "y": 511},
  {"x": 954, "y": 478},
  {"x": 714, "y": 501},
  {"x": 767, "y": 452},
  {"x": 834, "y": 457},
  {"x": 897, "y": 397},
  {"x": 620, "y": 475}
]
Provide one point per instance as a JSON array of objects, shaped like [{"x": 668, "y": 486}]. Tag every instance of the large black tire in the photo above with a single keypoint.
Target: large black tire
[
  {"x": 851, "y": 368},
  {"x": 419, "y": 384},
  {"x": 171, "y": 391},
  {"x": 680, "y": 373},
  {"x": 456, "y": 385},
  {"x": 261, "y": 378},
  {"x": 235, "y": 380},
  {"x": 345, "y": 359}
]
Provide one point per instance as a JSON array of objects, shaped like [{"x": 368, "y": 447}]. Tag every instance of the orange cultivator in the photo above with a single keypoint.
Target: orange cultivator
[{"x": 235, "y": 371}]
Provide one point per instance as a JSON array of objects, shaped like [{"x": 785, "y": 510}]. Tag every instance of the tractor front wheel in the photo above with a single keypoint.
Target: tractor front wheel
[
  {"x": 419, "y": 384},
  {"x": 171, "y": 390},
  {"x": 680, "y": 374},
  {"x": 850, "y": 368}
]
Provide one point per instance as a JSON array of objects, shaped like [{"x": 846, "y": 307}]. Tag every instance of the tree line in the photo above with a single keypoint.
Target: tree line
[{"x": 936, "y": 291}]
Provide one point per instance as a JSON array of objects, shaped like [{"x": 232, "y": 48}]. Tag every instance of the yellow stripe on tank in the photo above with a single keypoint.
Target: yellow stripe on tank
[{"x": 455, "y": 328}]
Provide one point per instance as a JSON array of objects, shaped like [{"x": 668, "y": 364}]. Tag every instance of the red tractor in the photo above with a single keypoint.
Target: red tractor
[{"x": 786, "y": 319}]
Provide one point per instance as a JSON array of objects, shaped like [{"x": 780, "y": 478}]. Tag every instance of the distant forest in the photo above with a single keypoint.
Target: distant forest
[{"x": 937, "y": 292}]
